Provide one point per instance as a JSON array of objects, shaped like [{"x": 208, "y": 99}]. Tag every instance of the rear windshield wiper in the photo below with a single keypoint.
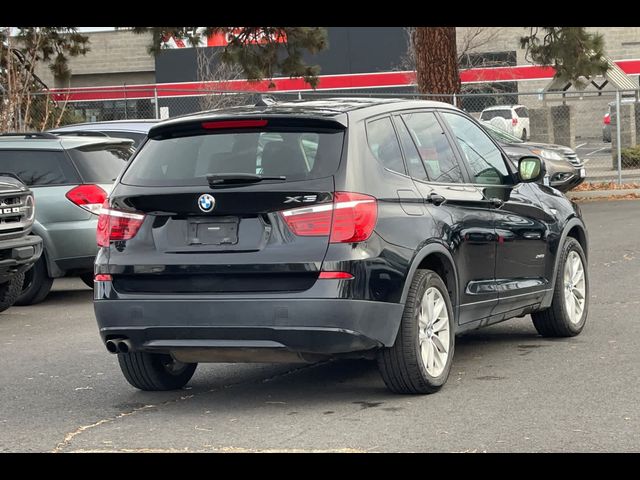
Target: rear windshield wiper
[{"x": 226, "y": 179}]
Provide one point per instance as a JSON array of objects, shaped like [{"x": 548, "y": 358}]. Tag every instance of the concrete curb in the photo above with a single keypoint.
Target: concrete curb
[{"x": 604, "y": 193}]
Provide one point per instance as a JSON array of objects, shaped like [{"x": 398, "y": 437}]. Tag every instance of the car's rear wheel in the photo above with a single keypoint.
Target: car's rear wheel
[
  {"x": 155, "y": 371},
  {"x": 9, "y": 291},
  {"x": 524, "y": 134},
  {"x": 420, "y": 359},
  {"x": 567, "y": 314},
  {"x": 37, "y": 284}
]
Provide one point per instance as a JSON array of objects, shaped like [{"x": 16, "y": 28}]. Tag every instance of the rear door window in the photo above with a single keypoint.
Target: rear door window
[
  {"x": 38, "y": 168},
  {"x": 411, "y": 155},
  {"x": 437, "y": 155},
  {"x": 100, "y": 163},
  {"x": 297, "y": 155},
  {"x": 384, "y": 144}
]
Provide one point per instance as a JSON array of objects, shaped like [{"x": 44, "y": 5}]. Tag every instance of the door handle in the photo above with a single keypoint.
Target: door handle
[
  {"x": 435, "y": 199},
  {"x": 496, "y": 202}
]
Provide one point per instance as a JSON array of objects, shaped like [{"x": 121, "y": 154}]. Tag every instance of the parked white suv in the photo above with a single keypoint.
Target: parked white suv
[{"x": 513, "y": 119}]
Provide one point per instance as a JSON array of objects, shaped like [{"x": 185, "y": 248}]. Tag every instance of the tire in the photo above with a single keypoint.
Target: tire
[
  {"x": 37, "y": 284},
  {"x": 558, "y": 320},
  {"x": 87, "y": 278},
  {"x": 404, "y": 365},
  {"x": 9, "y": 291},
  {"x": 153, "y": 371},
  {"x": 524, "y": 134}
]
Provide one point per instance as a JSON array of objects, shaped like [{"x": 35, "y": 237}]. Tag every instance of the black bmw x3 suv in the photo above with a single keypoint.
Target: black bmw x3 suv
[{"x": 301, "y": 230}]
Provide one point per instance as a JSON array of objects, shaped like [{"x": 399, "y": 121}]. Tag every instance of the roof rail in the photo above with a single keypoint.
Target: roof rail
[
  {"x": 30, "y": 135},
  {"x": 84, "y": 133}
]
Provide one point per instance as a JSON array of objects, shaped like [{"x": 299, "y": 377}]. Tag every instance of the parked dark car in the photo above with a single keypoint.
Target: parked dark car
[
  {"x": 564, "y": 169},
  {"x": 135, "y": 130},
  {"x": 309, "y": 229},
  {"x": 19, "y": 250}
]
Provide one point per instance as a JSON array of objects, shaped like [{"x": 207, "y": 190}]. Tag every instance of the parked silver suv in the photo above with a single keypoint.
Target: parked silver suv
[{"x": 70, "y": 178}]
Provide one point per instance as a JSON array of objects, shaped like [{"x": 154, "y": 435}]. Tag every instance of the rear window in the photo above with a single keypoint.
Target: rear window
[
  {"x": 489, "y": 114},
  {"x": 39, "y": 167},
  {"x": 298, "y": 155},
  {"x": 100, "y": 163},
  {"x": 522, "y": 112}
]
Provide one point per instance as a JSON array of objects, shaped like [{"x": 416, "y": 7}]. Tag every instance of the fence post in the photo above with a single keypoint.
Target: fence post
[
  {"x": 155, "y": 100},
  {"x": 455, "y": 100},
  {"x": 125, "y": 102},
  {"x": 618, "y": 137}
]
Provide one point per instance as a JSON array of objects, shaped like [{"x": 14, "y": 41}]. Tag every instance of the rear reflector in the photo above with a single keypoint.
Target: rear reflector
[
  {"x": 115, "y": 225},
  {"x": 350, "y": 218},
  {"x": 234, "y": 124},
  {"x": 102, "y": 277},
  {"x": 89, "y": 197},
  {"x": 514, "y": 121},
  {"x": 334, "y": 275}
]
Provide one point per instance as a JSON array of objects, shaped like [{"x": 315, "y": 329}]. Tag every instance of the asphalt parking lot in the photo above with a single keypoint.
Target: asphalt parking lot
[{"x": 509, "y": 390}]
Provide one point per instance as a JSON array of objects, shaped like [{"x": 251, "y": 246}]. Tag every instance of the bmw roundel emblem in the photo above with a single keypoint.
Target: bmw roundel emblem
[{"x": 206, "y": 202}]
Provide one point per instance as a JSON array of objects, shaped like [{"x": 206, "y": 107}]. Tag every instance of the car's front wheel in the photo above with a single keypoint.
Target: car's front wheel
[
  {"x": 37, "y": 284},
  {"x": 9, "y": 291},
  {"x": 155, "y": 371},
  {"x": 420, "y": 359},
  {"x": 567, "y": 314}
]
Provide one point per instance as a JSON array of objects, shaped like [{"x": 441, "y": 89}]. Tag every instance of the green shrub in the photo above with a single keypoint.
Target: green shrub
[{"x": 631, "y": 157}]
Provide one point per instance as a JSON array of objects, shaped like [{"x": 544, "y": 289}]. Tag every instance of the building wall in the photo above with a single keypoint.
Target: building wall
[
  {"x": 116, "y": 58},
  {"x": 621, "y": 43}
]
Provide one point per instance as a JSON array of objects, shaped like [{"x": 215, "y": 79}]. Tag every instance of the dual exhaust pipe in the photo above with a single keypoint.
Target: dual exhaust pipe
[{"x": 118, "y": 345}]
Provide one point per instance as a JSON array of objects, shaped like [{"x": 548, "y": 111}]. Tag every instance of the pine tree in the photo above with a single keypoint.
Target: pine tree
[
  {"x": 21, "y": 49},
  {"x": 572, "y": 51}
]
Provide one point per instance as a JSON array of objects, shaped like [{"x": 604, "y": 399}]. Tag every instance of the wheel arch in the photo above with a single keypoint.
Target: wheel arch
[
  {"x": 48, "y": 250},
  {"x": 436, "y": 257},
  {"x": 576, "y": 229}
]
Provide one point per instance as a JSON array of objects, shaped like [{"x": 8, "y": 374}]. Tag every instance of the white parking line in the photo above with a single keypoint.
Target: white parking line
[
  {"x": 581, "y": 145},
  {"x": 595, "y": 151}
]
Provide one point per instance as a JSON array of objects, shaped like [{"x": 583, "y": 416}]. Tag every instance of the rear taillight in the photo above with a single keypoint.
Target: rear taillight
[
  {"x": 114, "y": 225},
  {"x": 350, "y": 218},
  {"x": 89, "y": 197},
  {"x": 607, "y": 119},
  {"x": 514, "y": 121},
  {"x": 102, "y": 277}
]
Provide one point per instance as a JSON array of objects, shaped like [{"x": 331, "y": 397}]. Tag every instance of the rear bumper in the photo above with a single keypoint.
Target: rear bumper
[
  {"x": 18, "y": 255},
  {"x": 316, "y": 326}
]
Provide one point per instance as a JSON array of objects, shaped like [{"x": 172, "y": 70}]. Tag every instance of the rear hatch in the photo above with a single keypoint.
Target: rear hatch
[{"x": 225, "y": 206}]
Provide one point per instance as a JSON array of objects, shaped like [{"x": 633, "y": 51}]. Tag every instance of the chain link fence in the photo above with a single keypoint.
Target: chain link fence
[{"x": 592, "y": 124}]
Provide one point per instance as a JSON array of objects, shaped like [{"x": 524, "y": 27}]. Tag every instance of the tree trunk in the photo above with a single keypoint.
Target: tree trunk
[{"x": 436, "y": 61}]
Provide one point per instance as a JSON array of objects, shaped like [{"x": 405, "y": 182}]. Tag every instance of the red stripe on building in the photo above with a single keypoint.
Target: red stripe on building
[
  {"x": 326, "y": 82},
  {"x": 506, "y": 74}
]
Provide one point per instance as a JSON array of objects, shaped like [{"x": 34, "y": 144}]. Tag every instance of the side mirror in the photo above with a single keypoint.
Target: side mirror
[{"x": 531, "y": 169}]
